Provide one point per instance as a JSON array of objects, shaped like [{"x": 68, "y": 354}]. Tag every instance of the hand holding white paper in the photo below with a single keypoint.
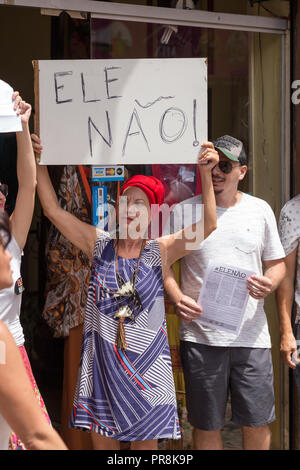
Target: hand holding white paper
[{"x": 9, "y": 120}]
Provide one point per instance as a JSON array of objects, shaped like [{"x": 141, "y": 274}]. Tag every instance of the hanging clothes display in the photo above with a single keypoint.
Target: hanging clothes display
[{"x": 68, "y": 269}]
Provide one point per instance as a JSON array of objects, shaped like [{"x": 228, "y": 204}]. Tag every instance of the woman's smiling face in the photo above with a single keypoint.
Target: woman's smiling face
[{"x": 134, "y": 212}]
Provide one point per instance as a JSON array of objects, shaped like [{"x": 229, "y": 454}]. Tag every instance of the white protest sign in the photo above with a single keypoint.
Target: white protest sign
[
  {"x": 9, "y": 120},
  {"x": 127, "y": 111}
]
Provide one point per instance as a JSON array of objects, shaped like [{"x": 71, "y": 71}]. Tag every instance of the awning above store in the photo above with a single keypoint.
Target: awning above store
[{"x": 140, "y": 13}]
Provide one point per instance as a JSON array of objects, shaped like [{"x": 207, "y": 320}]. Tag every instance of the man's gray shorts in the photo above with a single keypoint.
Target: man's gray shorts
[{"x": 210, "y": 373}]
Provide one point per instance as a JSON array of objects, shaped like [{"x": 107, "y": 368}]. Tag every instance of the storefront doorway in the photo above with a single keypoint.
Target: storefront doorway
[{"x": 247, "y": 85}]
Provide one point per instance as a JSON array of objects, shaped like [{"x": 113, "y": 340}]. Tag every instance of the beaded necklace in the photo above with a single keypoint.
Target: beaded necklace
[{"x": 125, "y": 289}]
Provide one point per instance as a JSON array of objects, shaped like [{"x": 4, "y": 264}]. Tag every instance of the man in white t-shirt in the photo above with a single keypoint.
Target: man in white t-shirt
[
  {"x": 289, "y": 289},
  {"x": 216, "y": 362}
]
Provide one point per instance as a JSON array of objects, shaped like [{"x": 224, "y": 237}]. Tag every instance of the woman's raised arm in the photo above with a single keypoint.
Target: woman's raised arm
[
  {"x": 179, "y": 244},
  {"x": 26, "y": 173},
  {"x": 82, "y": 235}
]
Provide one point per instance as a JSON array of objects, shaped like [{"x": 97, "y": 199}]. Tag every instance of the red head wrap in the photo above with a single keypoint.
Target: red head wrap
[{"x": 151, "y": 186}]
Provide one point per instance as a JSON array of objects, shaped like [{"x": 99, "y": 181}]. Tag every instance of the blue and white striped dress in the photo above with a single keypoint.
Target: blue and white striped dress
[{"x": 128, "y": 395}]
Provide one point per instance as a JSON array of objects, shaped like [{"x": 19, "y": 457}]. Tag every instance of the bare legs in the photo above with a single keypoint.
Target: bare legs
[
  {"x": 207, "y": 440},
  {"x": 254, "y": 438},
  {"x": 144, "y": 445},
  {"x": 106, "y": 443}
]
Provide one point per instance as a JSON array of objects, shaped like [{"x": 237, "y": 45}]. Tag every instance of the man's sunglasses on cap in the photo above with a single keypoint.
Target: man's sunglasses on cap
[
  {"x": 225, "y": 166},
  {"x": 4, "y": 189}
]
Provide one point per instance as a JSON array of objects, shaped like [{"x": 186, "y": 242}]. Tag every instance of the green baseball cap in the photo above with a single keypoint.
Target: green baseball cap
[{"x": 232, "y": 148}]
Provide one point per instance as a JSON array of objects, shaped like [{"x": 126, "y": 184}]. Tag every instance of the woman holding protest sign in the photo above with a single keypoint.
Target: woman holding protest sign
[
  {"x": 18, "y": 411},
  {"x": 20, "y": 219},
  {"x": 125, "y": 389}
]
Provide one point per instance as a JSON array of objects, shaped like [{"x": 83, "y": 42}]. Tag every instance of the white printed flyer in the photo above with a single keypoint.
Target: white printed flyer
[{"x": 223, "y": 297}]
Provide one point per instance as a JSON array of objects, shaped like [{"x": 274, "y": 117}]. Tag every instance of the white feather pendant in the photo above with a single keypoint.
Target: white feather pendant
[
  {"x": 126, "y": 289},
  {"x": 124, "y": 312}
]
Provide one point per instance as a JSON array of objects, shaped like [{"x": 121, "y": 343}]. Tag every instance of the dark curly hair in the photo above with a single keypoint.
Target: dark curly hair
[{"x": 5, "y": 230}]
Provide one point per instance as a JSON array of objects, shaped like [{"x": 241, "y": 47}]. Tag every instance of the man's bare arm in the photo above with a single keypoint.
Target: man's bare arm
[
  {"x": 285, "y": 300},
  {"x": 186, "y": 307}
]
